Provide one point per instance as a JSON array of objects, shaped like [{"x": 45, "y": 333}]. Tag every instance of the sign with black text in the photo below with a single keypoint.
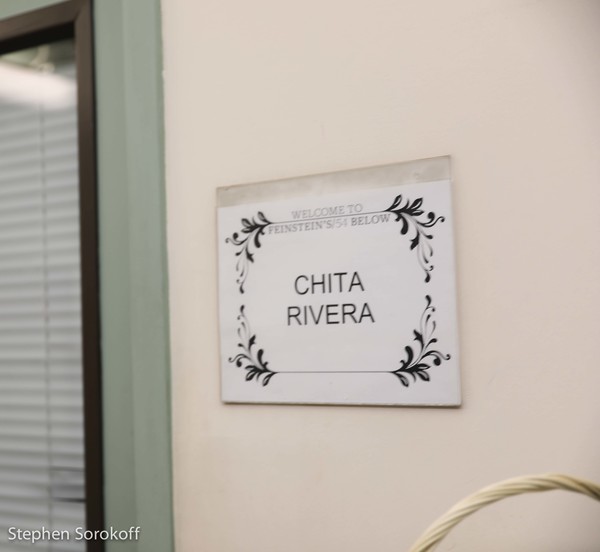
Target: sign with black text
[{"x": 340, "y": 289}]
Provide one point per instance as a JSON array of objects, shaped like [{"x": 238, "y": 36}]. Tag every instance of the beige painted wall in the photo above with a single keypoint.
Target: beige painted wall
[{"x": 511, "y": 90}]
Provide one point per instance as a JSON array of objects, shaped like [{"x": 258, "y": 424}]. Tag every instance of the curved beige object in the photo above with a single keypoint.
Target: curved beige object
[{"x": 519, "y": 485}]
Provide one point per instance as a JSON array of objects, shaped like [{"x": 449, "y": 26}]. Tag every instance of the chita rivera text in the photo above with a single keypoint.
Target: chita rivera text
[{"x": 344, "y": 311}]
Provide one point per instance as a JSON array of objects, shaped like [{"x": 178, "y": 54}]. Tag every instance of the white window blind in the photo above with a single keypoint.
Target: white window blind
[{"x": 41, "y": 408}]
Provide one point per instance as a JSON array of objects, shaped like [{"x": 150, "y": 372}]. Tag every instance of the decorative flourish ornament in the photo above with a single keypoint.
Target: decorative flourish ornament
[
  {"x": 254, "y": 364},
  {"x": 417, "y": 362},
  {"x": 252, "y": 229},
  {"x": 410, "y": 214}
]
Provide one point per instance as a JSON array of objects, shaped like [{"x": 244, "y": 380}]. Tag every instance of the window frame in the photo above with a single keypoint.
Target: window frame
[
  {"x": 134, "y": 323},
  {"x": 73, "y": 20}
]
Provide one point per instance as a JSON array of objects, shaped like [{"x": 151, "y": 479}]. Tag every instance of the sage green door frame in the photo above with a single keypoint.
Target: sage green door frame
[{"x": 133, "y": 269}]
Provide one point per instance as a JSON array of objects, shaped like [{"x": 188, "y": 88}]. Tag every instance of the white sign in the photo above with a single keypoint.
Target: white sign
[{"x": 339, "y": 289}]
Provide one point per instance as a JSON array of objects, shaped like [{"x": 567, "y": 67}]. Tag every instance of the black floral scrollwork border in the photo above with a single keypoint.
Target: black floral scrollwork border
[{"x": 419, "y": 358}]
